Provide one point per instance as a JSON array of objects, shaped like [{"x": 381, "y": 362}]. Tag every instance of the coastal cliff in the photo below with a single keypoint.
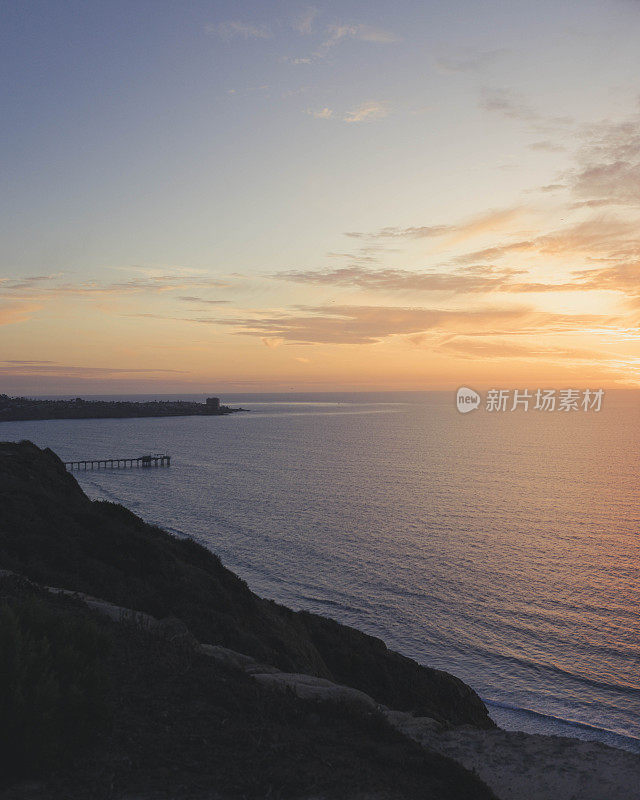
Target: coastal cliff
[
  {"x": 52, "y": 535},
  {"x": 134, "y": 666}
]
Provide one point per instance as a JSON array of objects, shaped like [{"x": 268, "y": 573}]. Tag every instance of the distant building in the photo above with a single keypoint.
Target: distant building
[{"x": 213, "y": 405}]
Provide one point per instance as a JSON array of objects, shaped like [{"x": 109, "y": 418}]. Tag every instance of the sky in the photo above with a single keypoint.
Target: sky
[{"x": 275, "y": 196}]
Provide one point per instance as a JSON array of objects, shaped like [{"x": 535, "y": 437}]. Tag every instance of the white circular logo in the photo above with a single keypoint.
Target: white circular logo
[{"x": 467, "y": 400}]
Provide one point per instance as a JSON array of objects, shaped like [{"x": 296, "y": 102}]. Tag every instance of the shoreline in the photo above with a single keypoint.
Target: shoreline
[{"x": 541, "y": 723}]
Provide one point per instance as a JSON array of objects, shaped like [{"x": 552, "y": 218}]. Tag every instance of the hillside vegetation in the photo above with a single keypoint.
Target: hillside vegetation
[
  {"x": 93, "y": 707},
  {"x": 52, "y": 533}
]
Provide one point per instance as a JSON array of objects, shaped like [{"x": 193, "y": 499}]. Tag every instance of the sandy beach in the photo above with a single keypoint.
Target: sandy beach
[{"x": 523, "y": 766}]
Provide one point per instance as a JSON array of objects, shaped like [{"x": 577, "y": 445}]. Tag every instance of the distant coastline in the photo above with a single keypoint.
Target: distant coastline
[{"x": 14, "y": 409}]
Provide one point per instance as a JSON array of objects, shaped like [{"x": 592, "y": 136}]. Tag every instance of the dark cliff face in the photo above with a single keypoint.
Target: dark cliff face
[
  {"x": 52, "y": 533},
  {"x": 93, "y": 708}
]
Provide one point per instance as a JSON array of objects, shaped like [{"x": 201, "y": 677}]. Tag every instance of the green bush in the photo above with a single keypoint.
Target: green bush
[{"x": 52, "y": 686}]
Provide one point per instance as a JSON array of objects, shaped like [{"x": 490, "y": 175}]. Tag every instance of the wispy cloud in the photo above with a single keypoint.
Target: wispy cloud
[
  {"x": 598, "y": 236},
  {"x": 622, "y": 277},
  {"x": 365, "y": 33},
  {"x": 478, "y": 279},
  {"x": 23, "y": 362},
  {"x": 41, "y": 287},
  {"x": 482, "y": 223},
  {"x": 202, "y": 301},
  {"x": 303, "y": 21},
  {"x": 338, "y": 33},
  {"x": 547, "y": 146},
  {"x": 16, "y": 311},
  {"x": 608, "y": 169},
  {"x": 320, "y": 113},
  {"x": 471, "y": 280},
  {"x": 504, "y": 349},
  {"x": 334, "y": 324},
  {"x": 369, "y": 254},
  {"x": 52, "y": 368},
  {"x": 468, "y": 60},
  {"x": 297, "y": 59},
  {"x": 305, "y": 24},
  {"x": 367, "y": 112},
  {"x": 509, "y": 104},
  {"x": 414, "y": 232},
  {"x": 160, "y": 283},
  {"x": 235, "y": 29}
]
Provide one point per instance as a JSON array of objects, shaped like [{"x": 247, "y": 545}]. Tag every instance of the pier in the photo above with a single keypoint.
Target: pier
[{"x": 155, "y": 460}]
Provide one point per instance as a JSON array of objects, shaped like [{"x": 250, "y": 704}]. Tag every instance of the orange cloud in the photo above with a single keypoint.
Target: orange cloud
[
  {"x": 12, "y": 312},
  {"x": 503, "y": 349},
  {"x": 483, "y": 223},
  {"x": 467, "y": 280},
  {"x": 371, "y": 324},
  {"x": 15, "y": 368},
  {"x": 42, "y": 286}
]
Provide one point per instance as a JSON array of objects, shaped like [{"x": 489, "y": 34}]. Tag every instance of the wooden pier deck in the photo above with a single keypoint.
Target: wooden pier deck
[{"x": 156, "y": 460}]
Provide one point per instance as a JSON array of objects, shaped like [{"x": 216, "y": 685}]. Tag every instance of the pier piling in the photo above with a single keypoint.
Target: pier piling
[{"x": 156, "y": 460}]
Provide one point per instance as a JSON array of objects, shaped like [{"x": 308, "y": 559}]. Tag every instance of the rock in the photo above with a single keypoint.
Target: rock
[
  {"x": 228, "y": 657},
  {"x": 174, "y": 630},
  {"x": 308, "y": 687}
]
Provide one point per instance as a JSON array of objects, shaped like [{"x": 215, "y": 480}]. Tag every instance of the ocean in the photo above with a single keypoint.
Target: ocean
[{"x": 502, "y": 547}]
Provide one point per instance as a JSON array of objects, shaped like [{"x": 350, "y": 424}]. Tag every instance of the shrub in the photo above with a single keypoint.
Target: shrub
[{"x": 52, "y": 686}]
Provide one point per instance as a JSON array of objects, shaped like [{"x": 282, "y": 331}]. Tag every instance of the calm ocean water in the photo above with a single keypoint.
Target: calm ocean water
[{"x": 504, "y": 548}]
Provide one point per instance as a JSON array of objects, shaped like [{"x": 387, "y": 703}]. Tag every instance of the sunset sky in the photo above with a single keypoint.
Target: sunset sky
[{"x": 346, "y": 195}]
